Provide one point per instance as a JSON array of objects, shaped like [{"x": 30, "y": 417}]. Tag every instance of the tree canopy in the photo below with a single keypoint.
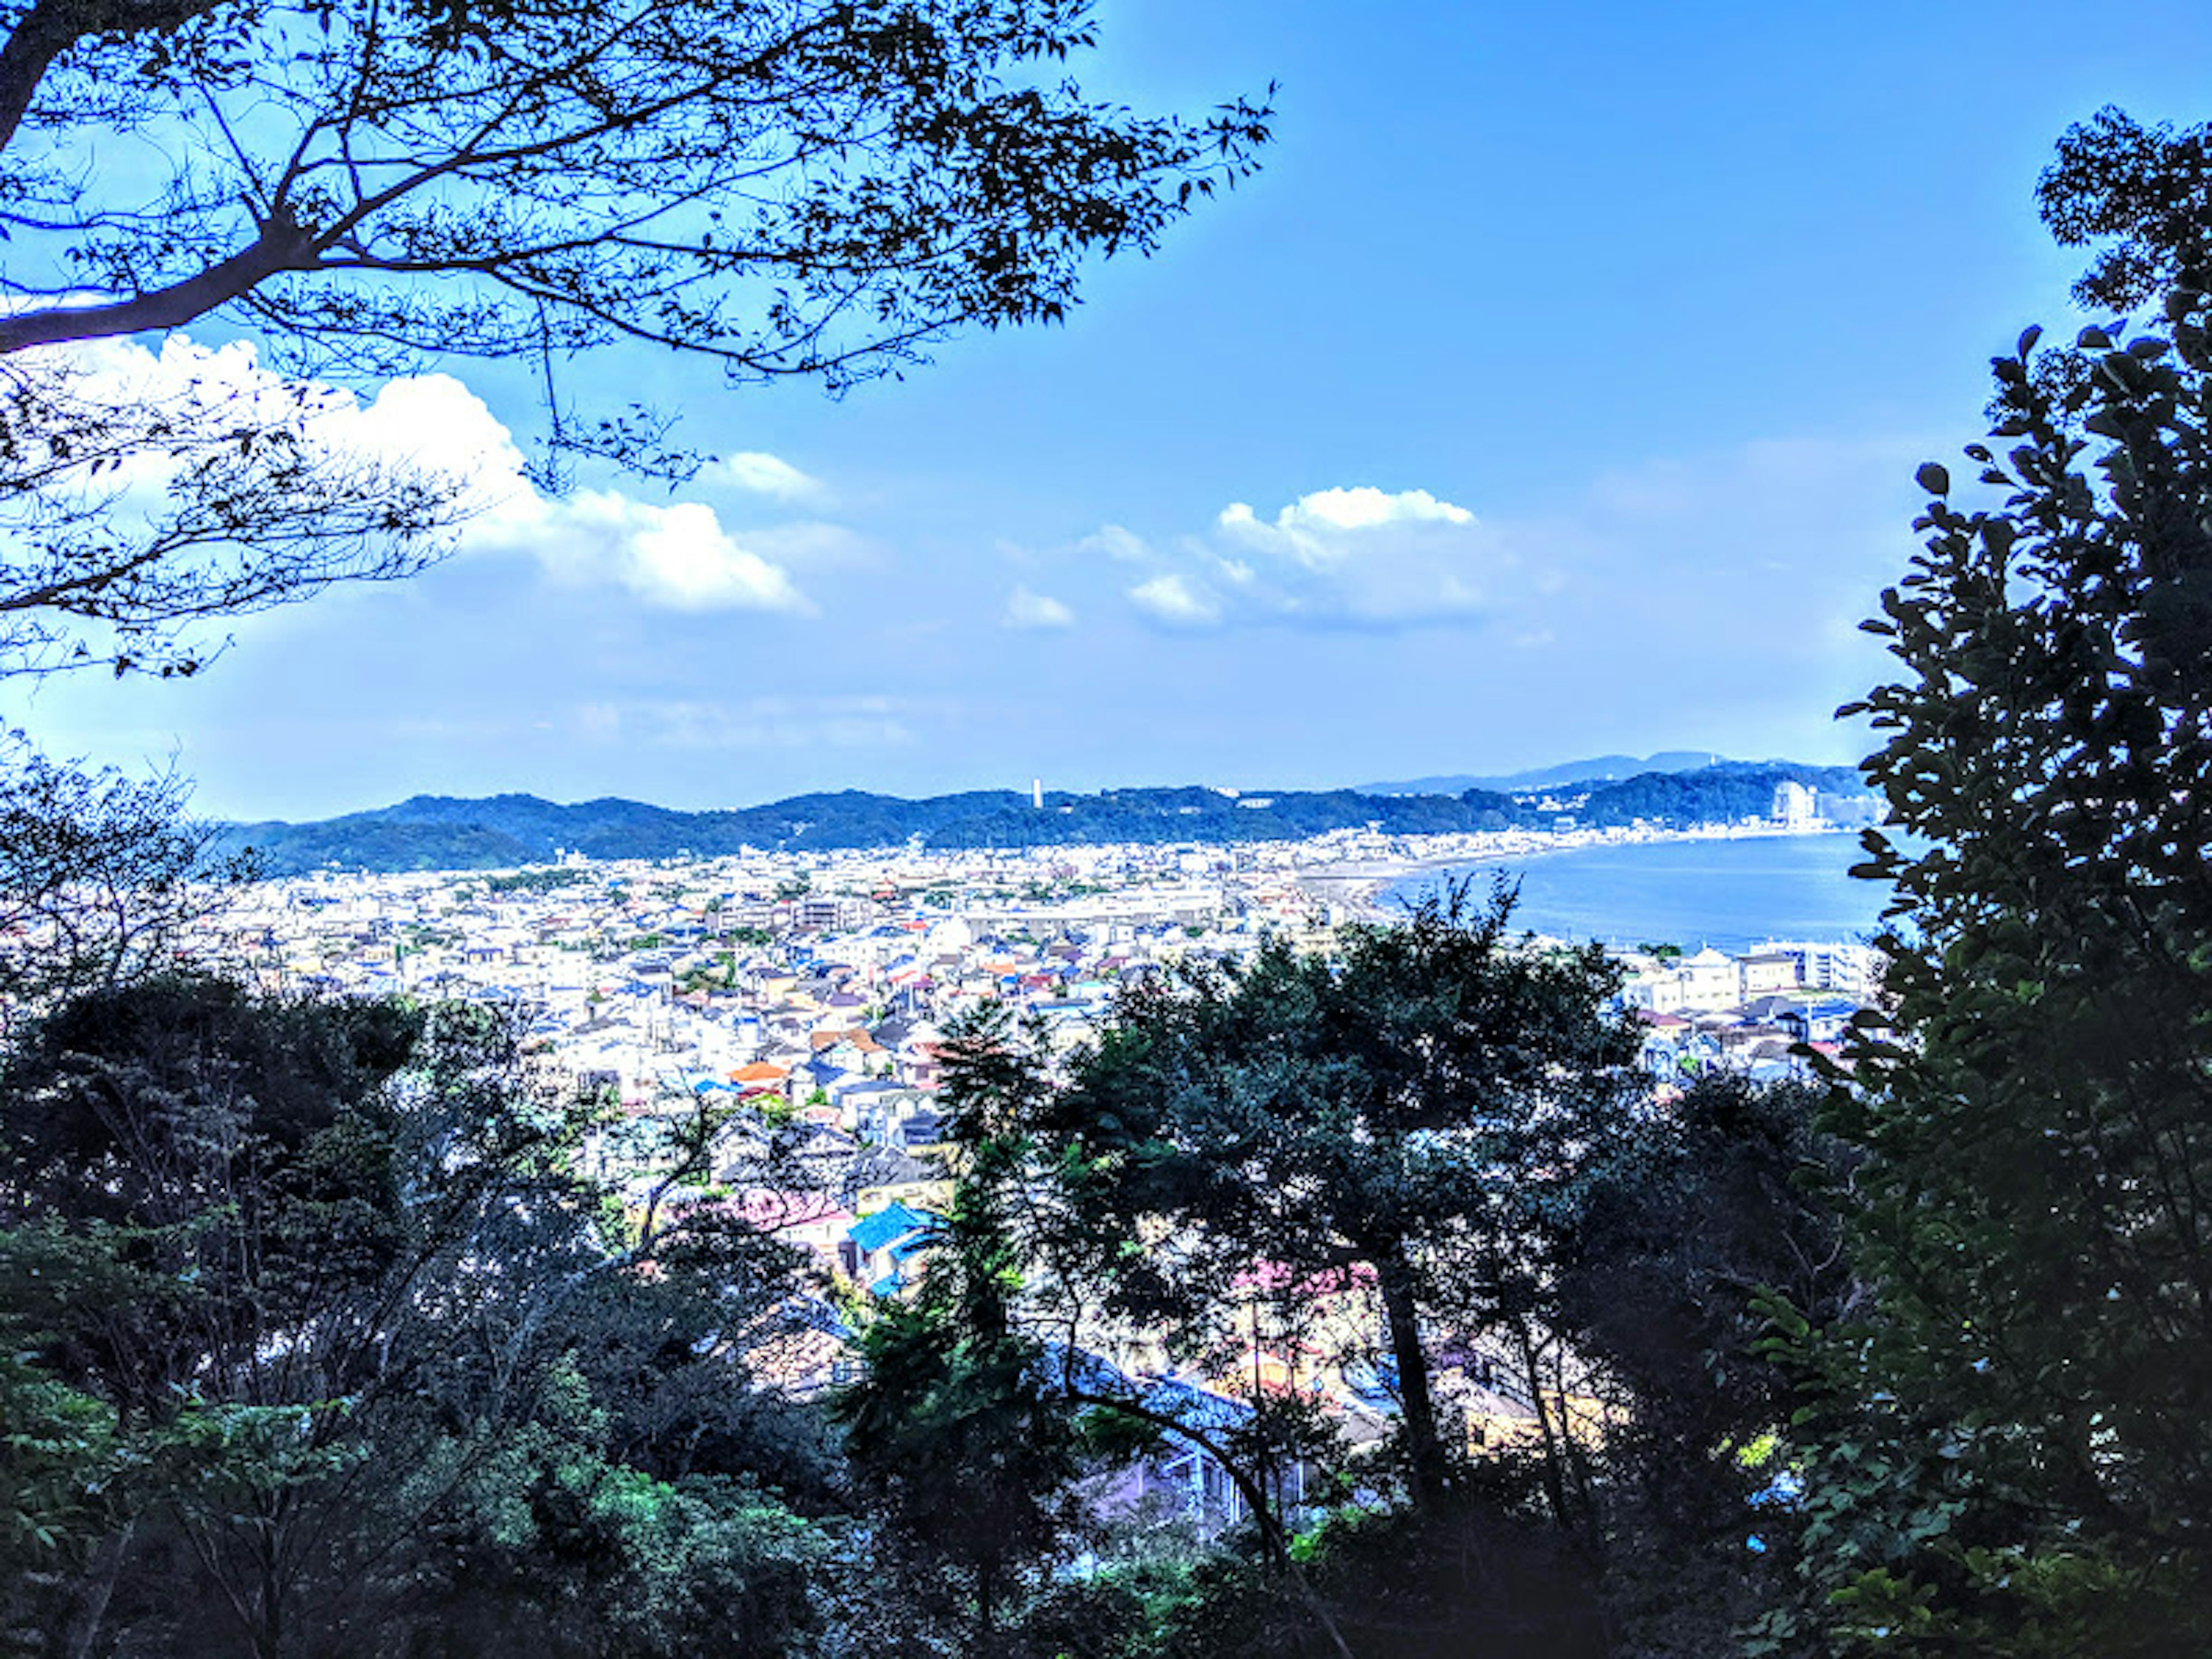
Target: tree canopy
[
  {"x": 1403, "y": 1112},
  {"x": 342, "y": 1351},
  {"x": 2014, "y": 1445},
  {"x": 809, "y": 187},
  {"x": 816, "y": 188}
]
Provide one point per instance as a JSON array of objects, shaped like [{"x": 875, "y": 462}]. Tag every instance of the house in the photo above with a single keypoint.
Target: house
[
  {"x": 761, "y": 1078},
  {"x": 878, "y": 1249},
  {"x": 1824, "y": 1021},
  {"x": 1766, "y": 972}
]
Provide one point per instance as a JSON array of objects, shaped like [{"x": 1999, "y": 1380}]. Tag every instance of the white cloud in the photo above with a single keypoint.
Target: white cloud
[
  {"x": 1177, "y": 600},
  {"x": 149, "y": 407},
  {"x": 1028, "y": 611},
  {"x": 1123, "y": 546},
  {"x": 761, "y": 474},
  {"x": 675, "y": 556},
  {"x": 1359, "y": 557},
  {"x": 1364, "y": 506}
]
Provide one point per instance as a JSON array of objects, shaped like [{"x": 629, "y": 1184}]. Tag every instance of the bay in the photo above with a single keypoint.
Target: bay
[{"x": 1730, "y": 894}]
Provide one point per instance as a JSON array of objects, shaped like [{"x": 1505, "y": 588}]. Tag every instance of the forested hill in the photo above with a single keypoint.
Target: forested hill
[{"x": 437, "y": 832}]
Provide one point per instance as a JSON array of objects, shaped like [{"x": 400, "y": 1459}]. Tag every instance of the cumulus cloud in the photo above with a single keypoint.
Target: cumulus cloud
[
  {"x": 675, "y": 556},
  {"x": 1364, "y": 508},
  {"x": 678, "y": 557},
  {"x": 137, "y": 412},
  {"x": 1177, "y": 600},
  {"x": 1027, "y": 611},
  {"x": 761, "y": 474},
  {"x": 1359, "y": 556},
  {"x": 672, "y": 556}
]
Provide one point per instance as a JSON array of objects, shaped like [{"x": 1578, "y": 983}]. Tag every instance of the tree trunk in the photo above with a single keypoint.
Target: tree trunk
[
  {"x": 1423, "y": 1450},
  {"x": 1555, "y": 1488},
  {"x": 986, "y": 1587},
  {"x": 88, "y": 1607}
]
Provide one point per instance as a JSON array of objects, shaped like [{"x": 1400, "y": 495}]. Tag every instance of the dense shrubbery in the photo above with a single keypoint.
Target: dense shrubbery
[{"x": 318, "y": 1345}]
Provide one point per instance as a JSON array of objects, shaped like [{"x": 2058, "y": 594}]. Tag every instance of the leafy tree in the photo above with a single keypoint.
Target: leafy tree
[
  {"x": 2144, "y": 192},
  {"x": 140, "y": 501},
  {"x": 2015, "y": 1445},
  {"x": 811, "y": 189},
  {"x": 1406, "y": 1110},
  {"x": 820, "y": 189},
  {"x": 102, "y": 877},
  {"x": 1708, "y": 1207},
  {"x": 379, "y": 1361},
  {"x": 958, "y": 1437}
]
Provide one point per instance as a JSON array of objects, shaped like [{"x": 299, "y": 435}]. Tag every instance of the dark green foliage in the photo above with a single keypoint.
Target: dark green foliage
[
  {"x": 1444, "y": 1103},
  {"x": 1727, "y": 1193},
  {"x": 102, "y": 876},
  {"x": 1715, "y": 794},
  {"x": 2145, "y": 192},
  {"x": 2013, "y": 1442},
  {"x": 228, "y": 1165},
  {"x": 1476, "y": 1576},
  {"x": 1712, "y": 1205},
  {"x": 294, "y": 850},
  {"x": 355, "y": 1363},
  {"x": 536, "y": 881},
  {"x": 1410, "y": 1111},
  {"x": 963, "y": 1451}
]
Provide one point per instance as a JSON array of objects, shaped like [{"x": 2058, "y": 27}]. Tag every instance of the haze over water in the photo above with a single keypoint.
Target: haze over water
[{"x": 1732, "y": 895}]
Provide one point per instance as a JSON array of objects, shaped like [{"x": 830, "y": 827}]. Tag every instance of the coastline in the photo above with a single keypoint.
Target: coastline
[{"x": 1357, "y": 885}]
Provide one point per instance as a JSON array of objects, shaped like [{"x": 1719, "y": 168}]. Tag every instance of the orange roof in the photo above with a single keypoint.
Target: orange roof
[
  {"x": 760, "y": 1071},
  {"x": 854, "y": 1034}
]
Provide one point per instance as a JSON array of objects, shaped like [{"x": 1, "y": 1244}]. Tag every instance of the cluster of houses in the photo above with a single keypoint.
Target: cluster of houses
[
  {"x": 1753, "y": 1013},
  {"x": 802, "y": 1005}
]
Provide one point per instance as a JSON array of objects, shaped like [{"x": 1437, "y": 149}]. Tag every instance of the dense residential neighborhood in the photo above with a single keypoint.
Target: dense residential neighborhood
[{"x": 797, "y": 1005}]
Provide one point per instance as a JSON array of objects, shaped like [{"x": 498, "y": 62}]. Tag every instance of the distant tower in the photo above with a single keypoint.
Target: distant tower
[{"x": 1036, "y": 793}]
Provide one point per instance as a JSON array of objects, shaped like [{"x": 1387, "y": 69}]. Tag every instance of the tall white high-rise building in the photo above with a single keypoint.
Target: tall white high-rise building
[{"x": 1794, "y": 805}]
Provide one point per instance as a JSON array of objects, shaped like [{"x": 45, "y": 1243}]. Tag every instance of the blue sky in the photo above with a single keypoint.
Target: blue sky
[{"x": 1555, "y": 389}]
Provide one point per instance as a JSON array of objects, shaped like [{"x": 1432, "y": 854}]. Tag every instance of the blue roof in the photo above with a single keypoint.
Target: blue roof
[
  {"x": 887, "y": 1286},
  {"x": 887, "y": 1226}
]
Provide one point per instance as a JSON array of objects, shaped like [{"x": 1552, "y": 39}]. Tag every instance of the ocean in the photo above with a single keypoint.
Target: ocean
[{"x": 1732, "y": 895}]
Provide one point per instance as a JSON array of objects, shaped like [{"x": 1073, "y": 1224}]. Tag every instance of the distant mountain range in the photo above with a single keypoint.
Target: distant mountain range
[
  {"x": 1598, "y": 769},
  {"x": 439, "y": 832}
]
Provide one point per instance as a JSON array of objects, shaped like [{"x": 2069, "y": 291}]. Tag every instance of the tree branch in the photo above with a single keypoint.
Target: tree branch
[
  {"x": 52, "y": 27},
  {"x": 280, "y": 245}
]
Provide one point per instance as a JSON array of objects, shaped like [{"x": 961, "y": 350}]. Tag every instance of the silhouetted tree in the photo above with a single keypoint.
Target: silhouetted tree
[
  {"x": 2015, "y": 1445},
  {"x": 1409, "y": 1107}
]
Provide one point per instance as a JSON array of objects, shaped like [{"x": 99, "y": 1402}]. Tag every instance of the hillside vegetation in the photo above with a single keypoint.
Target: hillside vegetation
[{"x": 438, "y": 832}]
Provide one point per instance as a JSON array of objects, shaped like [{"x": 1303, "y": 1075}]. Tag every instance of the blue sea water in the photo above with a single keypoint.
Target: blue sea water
[{"x": 1732, "y": 895}]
